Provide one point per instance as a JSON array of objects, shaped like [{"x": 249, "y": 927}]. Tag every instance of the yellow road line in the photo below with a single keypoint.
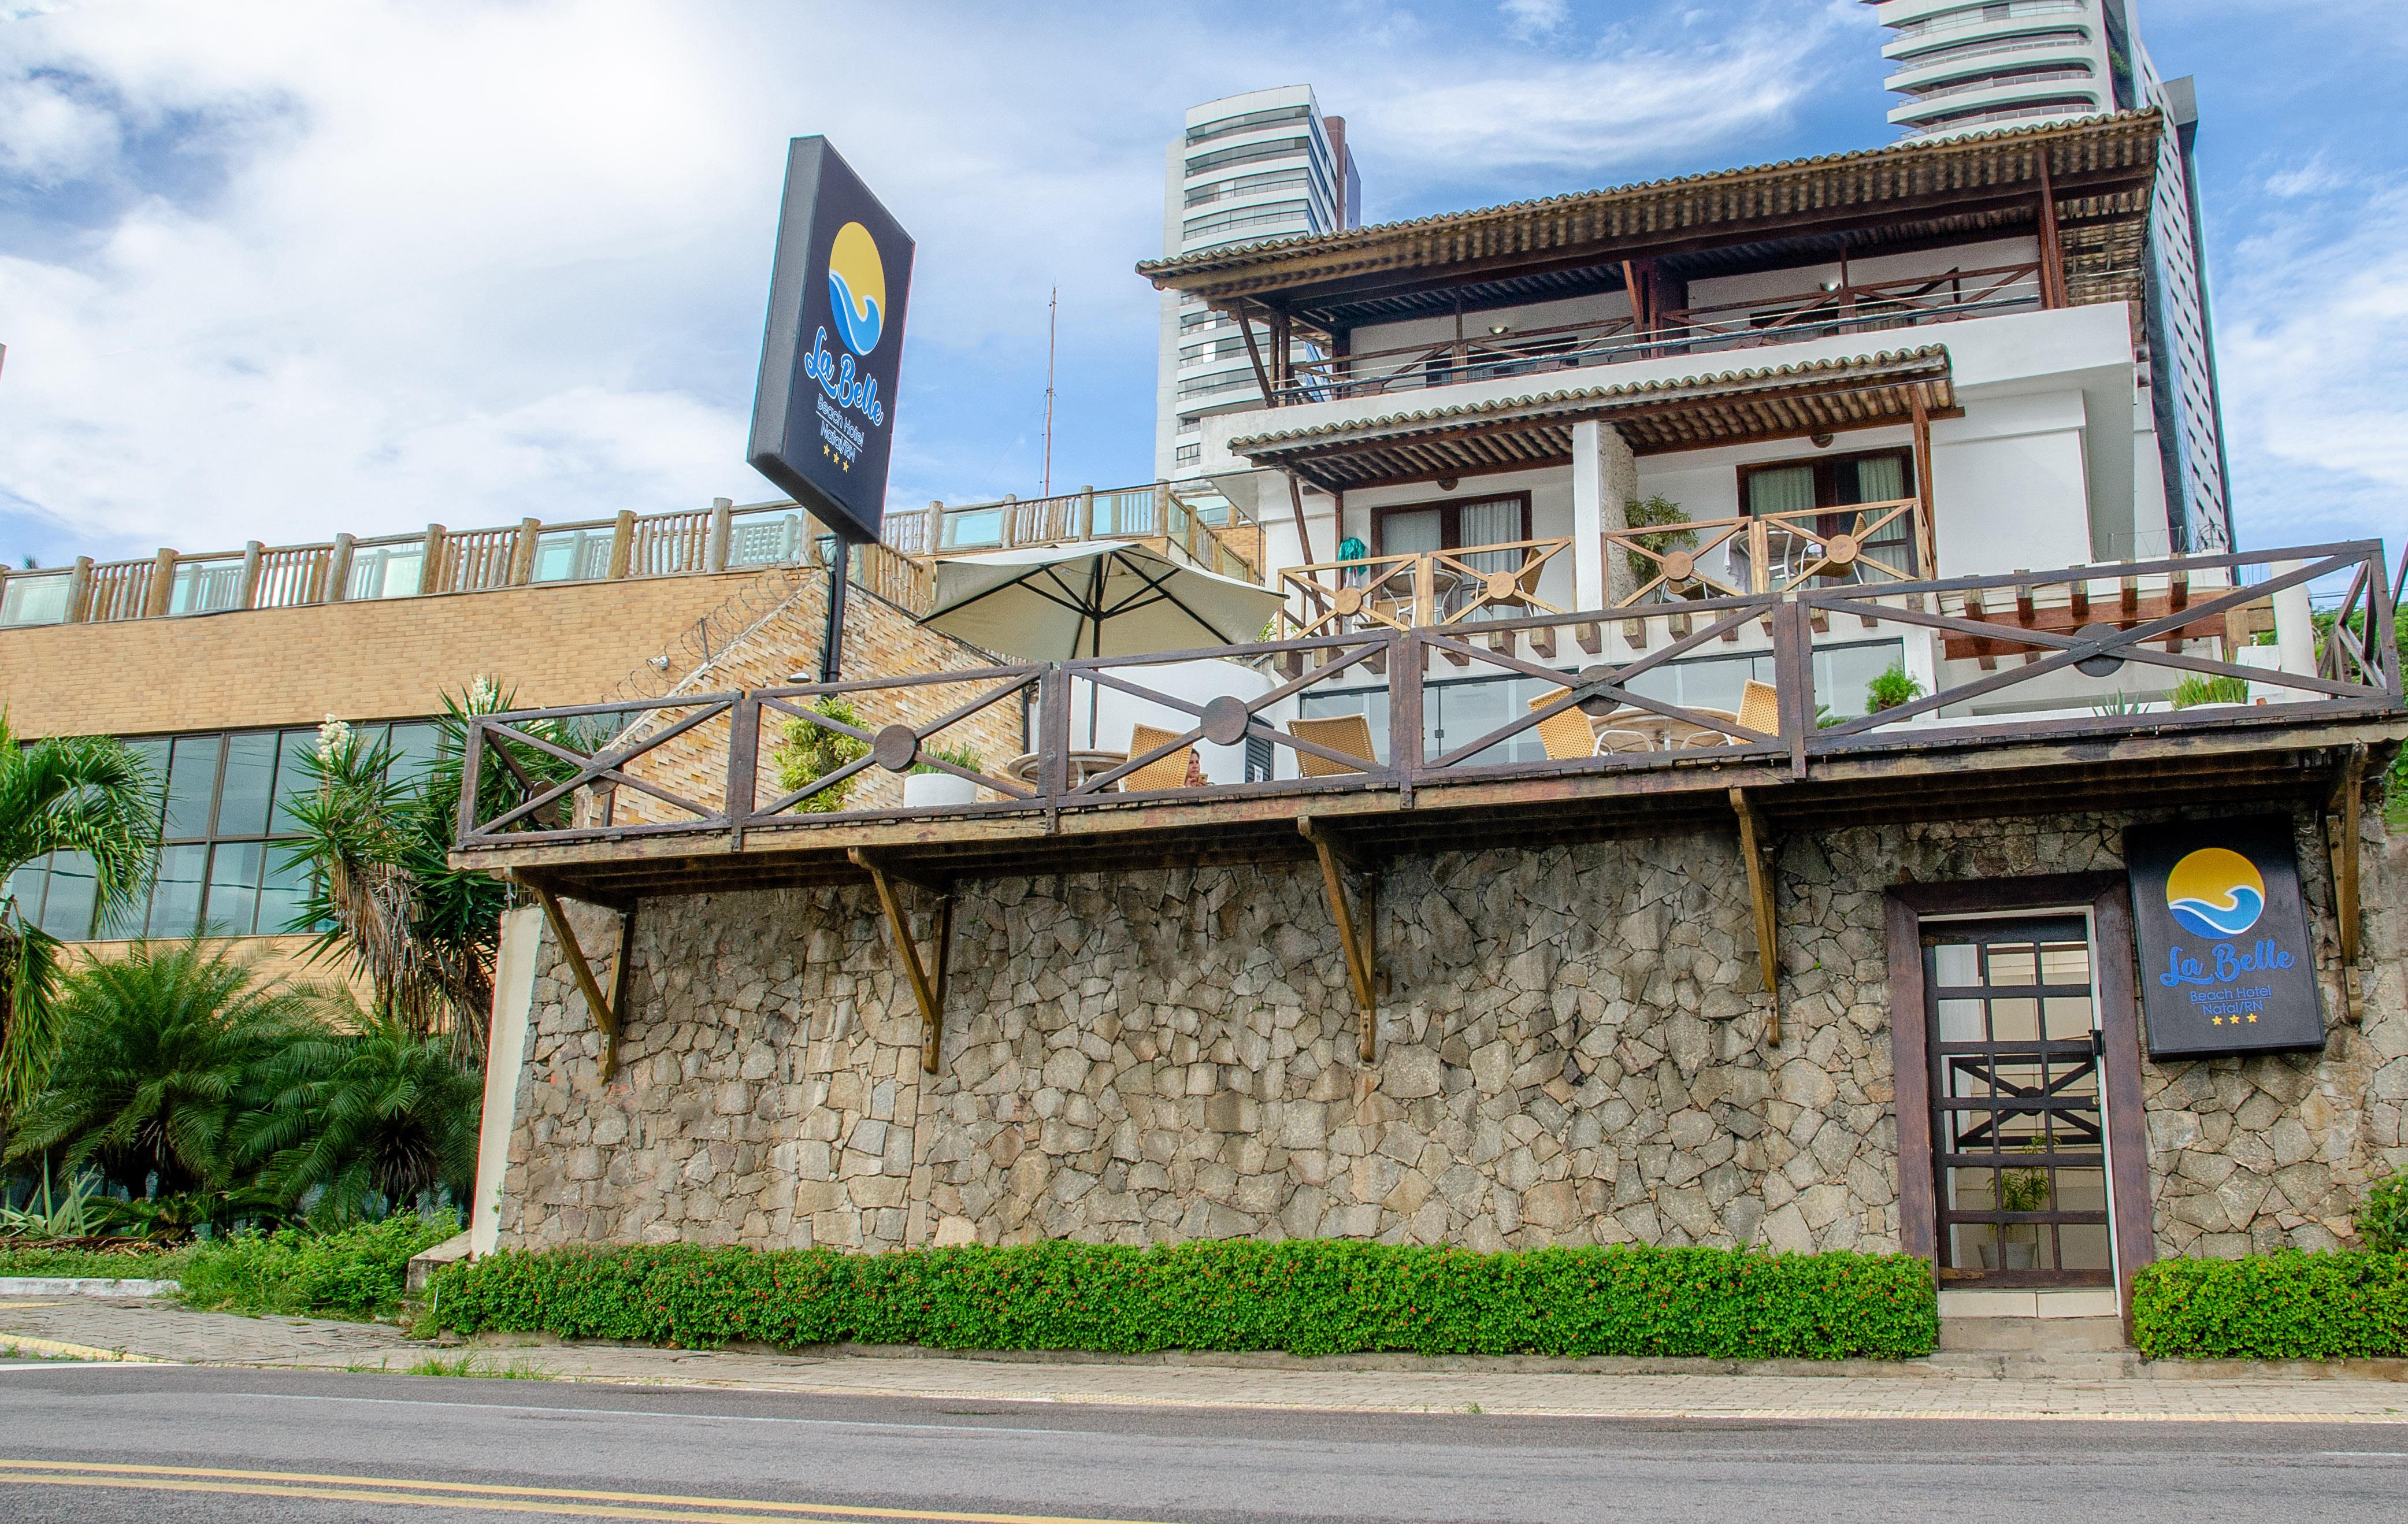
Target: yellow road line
[
  {"x": 81, "y": 1352},
  {"x": 347, "y": 1489},
  {"x": 21, "y": 1306}
]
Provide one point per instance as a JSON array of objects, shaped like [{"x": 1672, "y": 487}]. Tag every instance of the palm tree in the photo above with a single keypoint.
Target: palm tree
[
  {"x": 382, "y": 1111},
  {"x": 85, "y": 795},
  {"x": 166, "y": 1049}
]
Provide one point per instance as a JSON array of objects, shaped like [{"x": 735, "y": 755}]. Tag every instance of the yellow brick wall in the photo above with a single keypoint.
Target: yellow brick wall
[{"x": 566, "y": 643}]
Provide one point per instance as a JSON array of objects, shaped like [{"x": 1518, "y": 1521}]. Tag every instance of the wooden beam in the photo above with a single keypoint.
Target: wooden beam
[
  {"x": 2341, "y": 842},
  {"x": 2053, "y": 290},
  {"x": 1254, "y": 352},
  {"x": 1756, "y": 851},
  {"x": 1928, "y": 539},
  {"x": 930, "y": 994},
  {"x": 1359, "y": 946},
  {"x": 606, "y": 1015},
  {"x": 1303, "y": 534}
]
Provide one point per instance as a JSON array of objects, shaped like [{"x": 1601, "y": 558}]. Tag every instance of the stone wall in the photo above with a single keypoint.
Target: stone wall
[{"x": 1572, "y": 1050}]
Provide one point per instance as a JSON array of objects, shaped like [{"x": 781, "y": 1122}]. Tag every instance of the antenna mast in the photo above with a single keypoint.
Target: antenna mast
[{"x": 1052, "y": 305}]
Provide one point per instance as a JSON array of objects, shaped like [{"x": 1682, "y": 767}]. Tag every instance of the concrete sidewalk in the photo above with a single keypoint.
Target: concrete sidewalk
[{"x": 1945, "y": 1387}]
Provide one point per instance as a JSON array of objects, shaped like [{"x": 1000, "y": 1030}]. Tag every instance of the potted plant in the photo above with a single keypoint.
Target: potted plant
[
  {"x": 1891, "y": 689},
  {"x": 2019, "y": 1191},
  {"x": 1650, "y": 513},
  {"x": 928, "y": 785},
  {"x": 807, "y": 753}
]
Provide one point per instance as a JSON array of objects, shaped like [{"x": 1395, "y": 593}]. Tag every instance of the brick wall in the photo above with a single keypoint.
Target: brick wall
[{"x": 561, "y": 644}]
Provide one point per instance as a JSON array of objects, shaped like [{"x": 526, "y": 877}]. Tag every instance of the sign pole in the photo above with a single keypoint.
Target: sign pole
[{"x": 832, "y": 643}]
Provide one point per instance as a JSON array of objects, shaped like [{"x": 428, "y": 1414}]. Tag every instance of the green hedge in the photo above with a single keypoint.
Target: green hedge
[
  {"x": 354, "y": 1273},
  {"x": 129, "y": 1264},
  {"x": 1310, "y": 1297},
  {"x": 2332, "y": 1305}
]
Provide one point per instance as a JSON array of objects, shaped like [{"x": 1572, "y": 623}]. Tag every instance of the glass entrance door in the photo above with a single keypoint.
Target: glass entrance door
[{"x": 2018, "y": 1141}]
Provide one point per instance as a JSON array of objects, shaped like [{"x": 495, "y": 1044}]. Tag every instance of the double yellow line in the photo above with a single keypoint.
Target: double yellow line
[{"x": 558, "y": 1502}]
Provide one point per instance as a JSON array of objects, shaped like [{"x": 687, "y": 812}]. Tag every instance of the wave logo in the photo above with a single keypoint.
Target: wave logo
[
  {"x": 2216, "y": 892},
  {"x": 857, "y": 288}
]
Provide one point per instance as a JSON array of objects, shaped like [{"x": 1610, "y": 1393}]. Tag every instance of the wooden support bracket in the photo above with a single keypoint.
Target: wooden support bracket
[
  {"x": 929, "y": 992},
  {"x": 2342, "y": 840},
  {"x": 1756, "y": 849},
  {"x": 1359, "y": 942},
  {"x": 607, "y": 1013}
]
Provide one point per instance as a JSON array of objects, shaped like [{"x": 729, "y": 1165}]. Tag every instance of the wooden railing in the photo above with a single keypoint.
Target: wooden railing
[
  {"x": 704, "y": 763},
  {"x": 1949, "y": 295},
  {"x": 1864, "y": 544}
]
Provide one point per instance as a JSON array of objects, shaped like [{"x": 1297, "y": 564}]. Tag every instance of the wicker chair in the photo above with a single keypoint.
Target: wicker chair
[
  {"x": 1566, "y": 734},
  {"x": 1169, "y": 771},
  {"x": 1348, "y": 733},
  {"x": 1759, "y": 708}
]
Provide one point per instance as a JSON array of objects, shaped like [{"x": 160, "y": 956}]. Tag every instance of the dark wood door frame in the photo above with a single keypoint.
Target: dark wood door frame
[
  {"x": 1448, "y": 536},
  {"x": 2108, "y": 897}
]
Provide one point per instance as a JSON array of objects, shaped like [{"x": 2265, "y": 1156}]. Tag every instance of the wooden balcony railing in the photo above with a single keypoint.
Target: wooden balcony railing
[
  {"x": 1860, "y": 307},
  {"x": 1864, "y": 544},
  {"x": 705, "y": 764}
]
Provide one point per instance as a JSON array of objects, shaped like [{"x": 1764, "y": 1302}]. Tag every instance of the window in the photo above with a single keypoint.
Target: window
[
  {"x": 1829, "y": 485},
  {"x": 1248, "y": 120},
  {"x": 1500, "y": 520},
  {"x": 225, "y": 834}
]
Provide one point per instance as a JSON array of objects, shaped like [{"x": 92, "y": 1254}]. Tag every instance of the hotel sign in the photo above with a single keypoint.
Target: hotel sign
[
  {"x": 2225, "y": 963},
  {"x": 824, "y": 414}
]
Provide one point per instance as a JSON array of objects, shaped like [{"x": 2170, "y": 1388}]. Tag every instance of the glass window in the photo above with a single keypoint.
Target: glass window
[
  {"x": 233, "y": 886},
  {"x": 285, "y": 893},
  {"x": 385, "y": 571},
  {"x": 191, "y": 786},
  {"x": 250, "y": 782},
  {"x": 413, "y": 749},
  {"x": 34, "y": 601},
  {"x": 176, "y": 898},
  {"x": 291, "y": 778},
  {"x": 73, "y": 891}
]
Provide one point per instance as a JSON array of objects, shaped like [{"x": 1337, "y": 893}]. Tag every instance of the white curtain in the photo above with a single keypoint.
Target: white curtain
[{"x": 1787, "y": 490}]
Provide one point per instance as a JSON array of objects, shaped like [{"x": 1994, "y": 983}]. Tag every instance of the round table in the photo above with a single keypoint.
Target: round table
[
  {"x": 1084, "y": 766},
  {"x": 1665, "y": 733}
]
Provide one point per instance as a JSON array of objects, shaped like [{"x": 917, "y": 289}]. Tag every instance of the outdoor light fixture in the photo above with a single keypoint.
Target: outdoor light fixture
[
  {"x": 1501, "y": 328},
  {"x": 1821, "y": 441},
  {"x": 1831, "y": 285},
  {"x": 1446, "y": 483}
]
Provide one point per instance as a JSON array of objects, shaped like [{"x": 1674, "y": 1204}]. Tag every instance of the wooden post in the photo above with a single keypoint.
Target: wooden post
[
  {"x": 1303, "y": 536},
  {"x": 1280, "y": 348},
  {"x": 1255, "y": 354},
  {"x": 606, "y": 1018},
  {"x": 2342, "y": 840},
  {"x": 1357, "y": 945},
  {"x": 623, "y": 543},
  {"x": 158, "y": 596},
  {"x": 523, "y": 552},
  {"x": 338, "y": 568},
  {"x": 715, "y": 551},
  {"x": 930, "y": 994},
  {"x": 430, "y": 563},
  {"x": 79, "y": 591},
  {"x": 248, "y": 596},
  {"x": 1085, "y": 527},
  {"x": 1928, "y": 538},
  {"x": 2052, "y": 292},
  {"x": 1755, "y": 852}
]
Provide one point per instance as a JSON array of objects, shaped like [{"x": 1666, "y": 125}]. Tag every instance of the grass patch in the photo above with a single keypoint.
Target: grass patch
[
  {"x": 469, "y": 1365},
  {"x": 1309, "y": 1297},
  {"x": 127, "y": 1264}
]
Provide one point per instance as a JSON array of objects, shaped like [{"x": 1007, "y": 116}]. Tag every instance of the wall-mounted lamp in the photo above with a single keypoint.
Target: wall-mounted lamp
[
  {"x": 1501, "y": 328},
  {"x": 1446, "y": 483},
  {"x": 1831, "y": 285},
  {"x": 1821, "y": 441}
]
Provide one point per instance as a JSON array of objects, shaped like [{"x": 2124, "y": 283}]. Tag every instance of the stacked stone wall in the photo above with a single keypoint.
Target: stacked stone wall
[{"x": 1573, "y": 1050}]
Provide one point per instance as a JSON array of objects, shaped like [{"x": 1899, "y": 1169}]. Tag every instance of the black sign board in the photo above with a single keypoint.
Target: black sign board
[
  {"x": 2225, "y": 963},
  {"x": 824, "y": 414}
]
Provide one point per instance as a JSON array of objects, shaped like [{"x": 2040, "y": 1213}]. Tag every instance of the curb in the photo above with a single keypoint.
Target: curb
[{"x": 82, "y": 1286}]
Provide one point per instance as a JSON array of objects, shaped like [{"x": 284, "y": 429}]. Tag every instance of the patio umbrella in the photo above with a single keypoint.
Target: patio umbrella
[
  {"x": 1096, "y": 599},
  {"x": 1109, "y": 597}
]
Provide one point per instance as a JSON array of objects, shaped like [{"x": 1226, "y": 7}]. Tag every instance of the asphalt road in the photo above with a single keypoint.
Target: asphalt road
[{"x": 83, "y": 1444}]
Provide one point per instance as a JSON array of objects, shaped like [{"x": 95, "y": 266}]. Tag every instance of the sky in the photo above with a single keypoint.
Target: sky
[{"x": 271, "y": 271}]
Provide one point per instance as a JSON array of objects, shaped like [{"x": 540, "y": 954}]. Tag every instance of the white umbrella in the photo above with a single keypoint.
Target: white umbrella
[{"x": 1110, "y": 597}]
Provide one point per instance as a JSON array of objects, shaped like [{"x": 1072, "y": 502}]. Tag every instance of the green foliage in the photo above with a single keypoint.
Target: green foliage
[
  {"x": 357, "y": 1271},
  {"x": 82, "y": 794},
  {"x": 2120, "y": 704},
  {"x": 807, "y": 751},
  {"x": 1307, "y": 1296},
  {"x": 118, "y": 1262},
  {"x": 1892, "y": 688},
  {"x": 2289, "y": 1306},
  {"x": 64, "y": 1210},
  {"x": 375, "y": 1115},
  {"x": 2383, "y": 1214},
  {"x": 965, "y": 757},
  {"x": 167, "y": 1050},
  {"x": 1649, "y": 513},
  {"x": 2196, "y": 689}
]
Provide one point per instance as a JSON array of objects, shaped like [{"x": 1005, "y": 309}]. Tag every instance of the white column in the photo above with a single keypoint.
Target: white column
[
  {"x": 1588, "y": 521},
  {"x": 504, "y": 1059},
  {"x": 2295, "y": 630}
]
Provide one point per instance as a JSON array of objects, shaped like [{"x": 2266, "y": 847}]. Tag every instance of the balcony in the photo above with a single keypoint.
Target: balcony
[
  {"x": 1187, "y": 522},
  {"x": 2093, "y": 687}
]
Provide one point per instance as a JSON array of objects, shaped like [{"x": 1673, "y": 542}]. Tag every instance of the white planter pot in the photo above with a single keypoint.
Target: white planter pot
[{"x": 938, "y": 790}]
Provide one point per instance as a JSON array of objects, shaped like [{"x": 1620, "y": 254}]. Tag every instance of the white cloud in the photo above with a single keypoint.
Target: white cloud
[
  {"x": 2313, "y": 351},
  {"x": 1535, "y": 18}
]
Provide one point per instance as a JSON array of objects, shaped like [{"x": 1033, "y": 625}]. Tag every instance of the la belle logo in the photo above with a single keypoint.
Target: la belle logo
[
  {"x": 2217, "y": 893},
  {"x": 857, "y": 299}
]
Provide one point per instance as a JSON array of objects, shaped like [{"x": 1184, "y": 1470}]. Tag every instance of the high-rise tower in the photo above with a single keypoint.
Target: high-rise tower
[
  {"x": 1993, "y": 64},
  {"x": 1248, "y": 168}
]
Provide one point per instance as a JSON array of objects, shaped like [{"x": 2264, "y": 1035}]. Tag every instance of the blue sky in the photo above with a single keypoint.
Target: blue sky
[{"x": 275, "y": 270}]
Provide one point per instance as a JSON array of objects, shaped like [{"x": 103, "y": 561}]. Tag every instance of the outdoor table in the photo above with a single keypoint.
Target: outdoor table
[
  {"x": 1084, "y": 766},
  {"x": 1662, "y": 732}
]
